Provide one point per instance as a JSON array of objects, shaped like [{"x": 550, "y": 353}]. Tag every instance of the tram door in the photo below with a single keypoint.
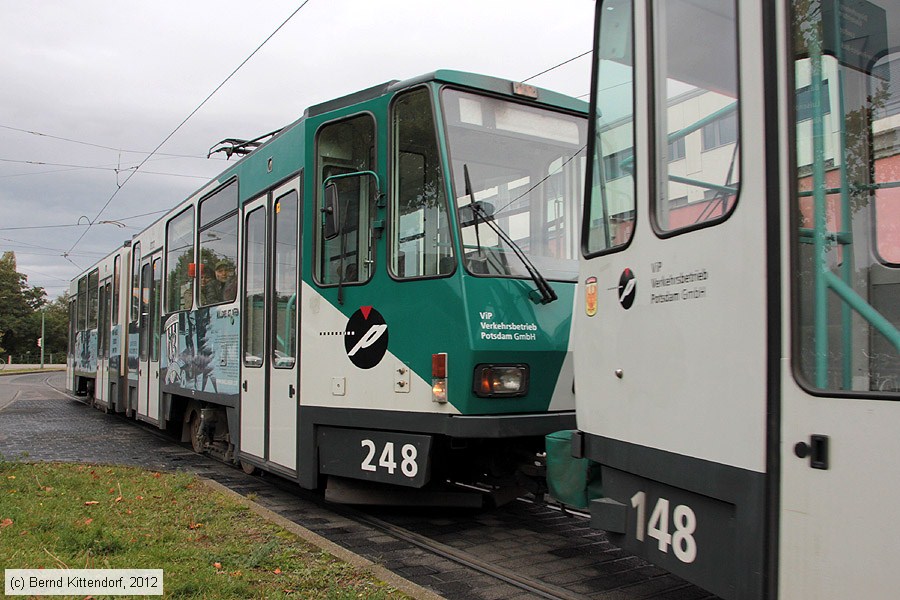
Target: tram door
[
  {"x": 269, "y": 386},
  {"x": 839, "y": 406},
  {"x": 670, "y": 329},
  {"x": 284, "y": 392},
  {"x": 70, "y": 356},
  {"x": 101, "y": 389},
  {"x": 148, "y": 370}
]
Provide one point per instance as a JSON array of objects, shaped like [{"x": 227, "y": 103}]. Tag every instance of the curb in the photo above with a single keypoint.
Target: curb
[
  {"x": 29, "y": 371},
  {"x": 389, "y": 577}
]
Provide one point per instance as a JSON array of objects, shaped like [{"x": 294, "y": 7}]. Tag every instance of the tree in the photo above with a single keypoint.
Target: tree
[
  {"x": 20, "y": 324},
  {"x": 56, "y": 327}
]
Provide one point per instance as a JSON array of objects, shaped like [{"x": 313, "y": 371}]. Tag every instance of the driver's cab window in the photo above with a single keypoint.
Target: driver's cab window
[
  {"x": 343, "y": 149},
  {"x": 698, "y": 135},
  {"x": 420, "y": 241}
]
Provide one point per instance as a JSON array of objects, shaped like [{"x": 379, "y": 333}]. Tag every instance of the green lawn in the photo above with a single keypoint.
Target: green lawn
[{"x": 210, "y": 546}]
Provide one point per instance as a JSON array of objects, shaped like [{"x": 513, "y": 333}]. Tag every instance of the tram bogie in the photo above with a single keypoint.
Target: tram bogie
[{"x": 367, "y": 295}]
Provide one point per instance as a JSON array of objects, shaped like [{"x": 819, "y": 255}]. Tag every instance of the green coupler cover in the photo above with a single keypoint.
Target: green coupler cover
[{"x": 572, "y": 481}]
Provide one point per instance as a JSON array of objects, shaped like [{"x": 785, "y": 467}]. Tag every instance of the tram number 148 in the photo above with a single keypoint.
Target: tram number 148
[{"x": 682, "y": 541}]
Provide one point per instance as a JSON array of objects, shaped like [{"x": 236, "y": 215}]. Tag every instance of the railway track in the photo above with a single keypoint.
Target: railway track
[{"x": 520, "y": 550}]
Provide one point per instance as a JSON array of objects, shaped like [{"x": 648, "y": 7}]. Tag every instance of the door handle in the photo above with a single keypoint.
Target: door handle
[
  {"x": 291, "y": 391},
  {"x": 816, "y": 450},
  {"x": 244, "y": 385}
]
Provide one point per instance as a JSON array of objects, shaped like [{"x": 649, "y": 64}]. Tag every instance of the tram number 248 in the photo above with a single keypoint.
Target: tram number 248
[
  {"x": 408, "y": 454},
  {"x": 682, "y": 541}
]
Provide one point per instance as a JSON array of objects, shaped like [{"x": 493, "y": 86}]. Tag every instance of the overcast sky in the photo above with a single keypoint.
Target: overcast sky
[{"x": 116, "y": 77}]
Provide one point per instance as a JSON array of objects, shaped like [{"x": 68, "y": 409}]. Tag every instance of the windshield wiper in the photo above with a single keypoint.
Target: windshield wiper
[{"x": 545, "y": 292}]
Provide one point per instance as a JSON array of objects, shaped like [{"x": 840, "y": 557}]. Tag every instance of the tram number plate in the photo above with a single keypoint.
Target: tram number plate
[
  {"x": 384, "y": 456},
  {"x": 689, "y": 534}
]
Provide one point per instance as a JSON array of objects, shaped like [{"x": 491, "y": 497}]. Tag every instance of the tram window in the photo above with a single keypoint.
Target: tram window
[
  {"x": 101, "y": 321},
  {"x": 523, "y": 166},
  {"x": 218, "y": 246},
  {"x": 136, "y": 283},
  {"x": 347, "y": 147},
  {"x": 73, "y": 327},
  {"x": 697, "y": 63},
  {"x": 609, "y": 210},
  {"x": 219, "y": 203},
  {"x": 284, "y": 336},
  {"x": 421, "y": 245},
  {"x": 117, "y": 274},
  {"x": 82, "y": 303},
  {"x": 106, "y": 322},
  {"x": 846, "y": 243},
  {"x": 180, "y": 261},
  {"x": 145, "y": 311},
  {"x": 93, "y": 307},
  {"x": 155, "y": 292},
  {"x": 885, "y": 86},
  {"x": 254, "y": 313}
]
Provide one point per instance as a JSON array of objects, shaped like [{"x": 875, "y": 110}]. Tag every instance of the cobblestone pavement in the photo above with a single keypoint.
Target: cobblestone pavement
[{"x": 38, "y": 423}]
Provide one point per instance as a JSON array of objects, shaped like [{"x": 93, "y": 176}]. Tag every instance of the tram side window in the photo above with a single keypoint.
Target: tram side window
[
  {"x": 82, "y": 304},
  {"x": 136, "y": 283},
  {"x": 609, "y": 210},
  {"x": 344, "y": 148},
  {"x": 421, "y": 245},
  {"x": 846, "y": 246},
  {"x": 885, "y": 90},
  {"x": 73, "y": 311},
  {"x": 101, "y": 321},
  {"x": 180, "y": 261},
  {"x": 145, "y": 311},
  {"x": 218, "y": 246},
  {"x": 93, "y": 306},
  {"x": 284, "y": 336},
  {"x": 700, "y": 110},
  {"x": 154, "y": 308},
  {"x": 117, "y": 274},
  {"x": 253, "y": 318}
]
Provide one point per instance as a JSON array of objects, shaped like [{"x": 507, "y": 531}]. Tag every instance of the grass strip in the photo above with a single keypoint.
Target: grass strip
[{"x": 77, "y": 516}]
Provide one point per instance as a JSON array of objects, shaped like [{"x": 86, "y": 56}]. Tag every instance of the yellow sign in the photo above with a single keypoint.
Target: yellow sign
[{"x": 590, "y": 296}]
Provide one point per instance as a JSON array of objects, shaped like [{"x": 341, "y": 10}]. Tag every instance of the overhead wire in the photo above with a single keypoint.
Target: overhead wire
[
  {"x": 565, "y": 62},
  {"x": 93, "y": 145},
  {"x": 95, "y": 168},
  {"x": 45, "y": 274},
  {"x": 120, "y": 219},
  {"x": 133, "y": 170},
  {"x": 186, "y": 119}
]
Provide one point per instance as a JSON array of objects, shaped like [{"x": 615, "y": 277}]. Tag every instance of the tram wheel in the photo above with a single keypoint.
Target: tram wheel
[
  {"x": 248, "y": 468},
  {"x": 196, "y": 442}
]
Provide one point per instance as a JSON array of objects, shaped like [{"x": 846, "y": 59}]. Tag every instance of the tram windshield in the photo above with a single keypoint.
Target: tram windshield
[
  {"x": 526, "y": 170},
  {"x": 847, "y": 178}
]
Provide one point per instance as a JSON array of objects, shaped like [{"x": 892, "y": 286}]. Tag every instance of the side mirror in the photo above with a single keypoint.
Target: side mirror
[{"x": 331, "y": 210}]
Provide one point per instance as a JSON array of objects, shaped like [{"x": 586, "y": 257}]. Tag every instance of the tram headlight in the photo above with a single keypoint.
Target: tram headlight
[{"x": 501, "y": 381}]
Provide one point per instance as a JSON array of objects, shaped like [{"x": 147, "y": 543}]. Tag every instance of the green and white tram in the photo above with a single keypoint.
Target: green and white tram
[
  {"x": 736, "y": 339},
  {"x": 380, "y": 293}
]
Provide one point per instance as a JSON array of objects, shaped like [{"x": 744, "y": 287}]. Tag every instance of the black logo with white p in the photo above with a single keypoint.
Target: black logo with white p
[
  {"x": 627, "y": 289},
  {"x": 366, "y": 337}
]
